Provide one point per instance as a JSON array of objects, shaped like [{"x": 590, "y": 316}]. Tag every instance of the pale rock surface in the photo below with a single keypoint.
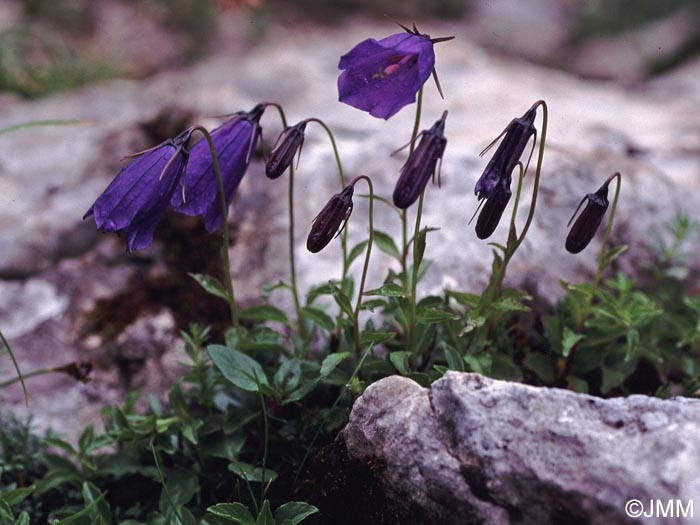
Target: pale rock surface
[{"x": 472, "y": 450}]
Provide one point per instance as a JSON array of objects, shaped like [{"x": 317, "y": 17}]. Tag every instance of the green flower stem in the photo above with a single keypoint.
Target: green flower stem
[
  {"x": 601, "y": 256},
  {"x": 37, "y": 123},
  {"x": 493, "y": 291},
  {"x": 228, "y": 276},
  {"x": 341, "y": 173},
  {"x": 292, "y": 256},
  {"x": 412, "y": 321},
  {"x": 366, "y": 265},
  {"x": 404, "y": 213},
  {"x": 19, "y": 377}
]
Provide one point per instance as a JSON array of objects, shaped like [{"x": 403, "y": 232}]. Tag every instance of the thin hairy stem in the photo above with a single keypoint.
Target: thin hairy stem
[
  {"x": 19, "y": 377},
  {"x": 292, "y": 256},
  {"x": 404, "y": 214},
  {"x": 602, "y": 255},
  {"x": 598, "y": 274},
  {"x": 366, "y": 265},
  {"x": 228, "y": 276},
  {"x": 341, "y": 173}
]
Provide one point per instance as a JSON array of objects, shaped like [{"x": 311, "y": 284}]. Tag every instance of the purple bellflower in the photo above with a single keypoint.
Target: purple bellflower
[
  {"x": 383, "y": 76},
  {"x": 501, "y": 166},
  {"x": 588, "y": 222},
  {"x": 330, "y": 220},
  {"x": 494, "y": 183},
  {"x": 421, "y": 165},
  {"x": 234, "y": 141},
  {"x": 136, "y": 200},
  {"x": 288, "y": 143}
]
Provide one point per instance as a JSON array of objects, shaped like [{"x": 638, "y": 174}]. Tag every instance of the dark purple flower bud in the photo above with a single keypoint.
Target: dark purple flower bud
[
  {"x": 234, "y": 141},
  {"x": 328, "y": 223},
  {"x": 515, "y": 138},
  {"x": 383, "y": 76},
  {"x": 492, "y": 210},
  {"x": 421, "y": 165},
  {"x": 136, "y": 200},
  {"x": 288, "y": 143},
  {"x": 589, "y": 220}
]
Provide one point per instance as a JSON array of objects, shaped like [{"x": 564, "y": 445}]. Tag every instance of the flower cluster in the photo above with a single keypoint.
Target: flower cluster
[{"x": 171, "y": 174}]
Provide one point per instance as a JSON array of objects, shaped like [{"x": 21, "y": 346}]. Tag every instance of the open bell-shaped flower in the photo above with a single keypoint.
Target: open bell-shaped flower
[
  {"x": 383, "y": 76},
  {"x": 421, "y": 165},
  {"x": 234, "y": 142},
  {"x": 329, "y": 222},
  {"x": 589, "y": 220},
  {"x": 136, "y": 200},
  {"x": 288, "y": 143}
]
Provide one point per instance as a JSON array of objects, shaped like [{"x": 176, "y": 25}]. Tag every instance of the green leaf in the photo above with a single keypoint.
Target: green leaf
[
  {"x": 388, "y": 290},
  {"x": 401, "y": 361},
  {"x": 420, "y": 245},
  {"x": 377, "y": 338},
  {"x": 15, "y": 496},
  {"x": 357, "y": 250},
  {"x": 454, "y": 361},
  {"x": 509, "y": 304},
  {"x": 23, "y": 519},
  {"x": 371, "y": 304},
  {"x": 502, "y": 367},
  {"x": 386, "y": 244},
  {"x": 264, "y": 312},
  {"x": 541, "y": 365},
  {"x": 612, "y": 254},
  {"x": 233, "y": 512},
  {"x": 434, "y": 315},
  {"x": 92, "y": 495},
  {"x": 332, "y": 361},
  {"x": 250, "y": 473},
  {"x": 568, "y": 340},
  {"x": 211, "y": 285},
  {"x": 342, "y": 301},
  {"x": 237, "y": 367},
  {"x": 468, "y": 300},
  {"x": 61, "y": 445},
  {"x": 80, "y": 514},
  {"x": 6, "y": 511},
  {"x": 265, "y": 515},
  {"x": 319, "y": 317},
  {"x": 294, "y": 511}
]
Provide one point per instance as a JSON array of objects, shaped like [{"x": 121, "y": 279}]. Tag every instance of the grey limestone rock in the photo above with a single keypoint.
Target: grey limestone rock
[{"x": 477, "y": 450}]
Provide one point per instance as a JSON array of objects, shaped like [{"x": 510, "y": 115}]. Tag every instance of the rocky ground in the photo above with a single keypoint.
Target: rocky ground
[{"x": 67, "y": 292}]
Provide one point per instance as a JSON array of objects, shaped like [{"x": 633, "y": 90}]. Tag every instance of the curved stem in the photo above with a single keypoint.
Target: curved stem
[
  {"x": 404, "y": 218},
  {"x": 228, "y": 276},
  {"x": 19, "y": 377},
  {"x": 341, "y": 173},
  {"x": 601, "y": 256},
  {"x": 538, "y": 171},
  {"x": 564, "y": 370},
  {"x": 292, "y": 256},
  {"x": 367, "y": 255}
]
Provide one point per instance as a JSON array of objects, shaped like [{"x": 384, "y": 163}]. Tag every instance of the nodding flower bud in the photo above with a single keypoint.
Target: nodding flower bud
[
  {"x": 590, "y": 218},
  {"x": 288, "y": 143},
  {"x": 501, "y": 166},
  {"x": 421, "y": 165},
  {"x": 329, "y": 222},
  {"x": 492, "y": 211}
]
